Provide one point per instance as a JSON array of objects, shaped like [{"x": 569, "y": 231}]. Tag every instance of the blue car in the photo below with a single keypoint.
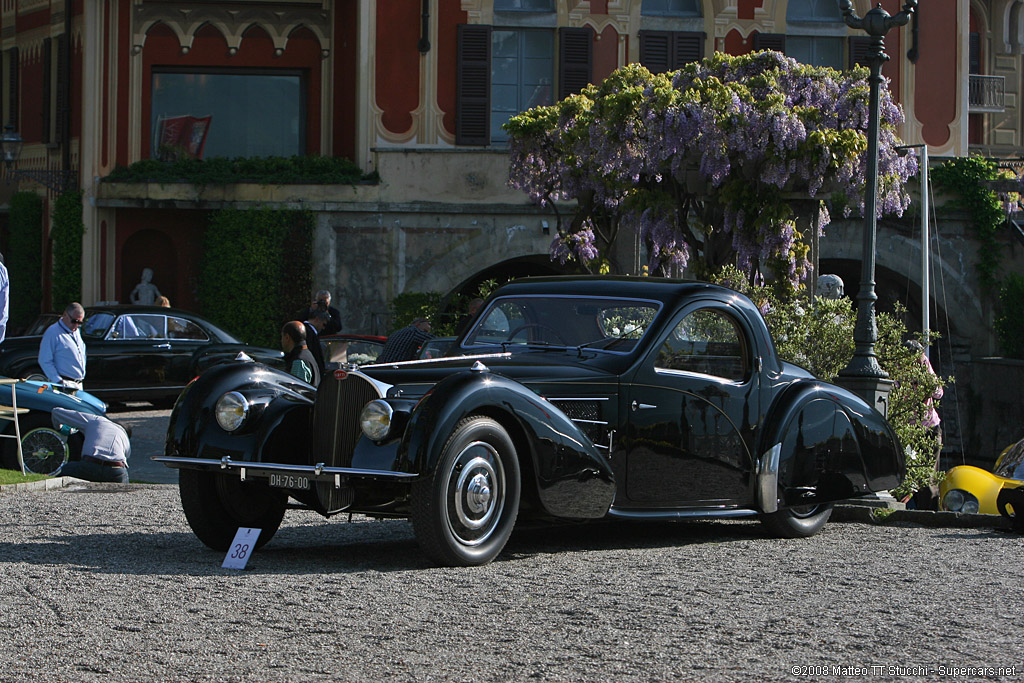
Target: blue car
[{"x": 43, "y": 448}]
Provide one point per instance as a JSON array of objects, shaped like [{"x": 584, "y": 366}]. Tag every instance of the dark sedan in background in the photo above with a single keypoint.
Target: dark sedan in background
[{"x": 137, "y": 353}]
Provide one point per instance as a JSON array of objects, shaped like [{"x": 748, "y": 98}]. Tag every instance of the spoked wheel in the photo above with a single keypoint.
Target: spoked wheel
[
  {"x": 798, "y": 522},
  {"x": 216, "y": 505},
  {"x": 44, "y": 451},
  {"x": 464, "y": 512},
  {"x": 42, "y": 447}
]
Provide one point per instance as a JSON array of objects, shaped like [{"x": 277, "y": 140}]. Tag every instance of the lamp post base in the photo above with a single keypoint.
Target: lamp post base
[{"x": 874, "y": 390}]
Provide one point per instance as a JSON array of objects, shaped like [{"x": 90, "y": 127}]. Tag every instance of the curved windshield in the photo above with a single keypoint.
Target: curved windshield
[
  {"x": 607, "y": 324},
  {"x": 1011, "y": 463}
]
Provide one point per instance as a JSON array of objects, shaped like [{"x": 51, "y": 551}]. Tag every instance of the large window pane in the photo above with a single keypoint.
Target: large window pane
[
  {"x": 238, "y": 114},
  {"x": 682, "y": 8},
  {"x": 813, "y": 10},
  {"x": 524, "y": 5},
  {"x": 522, "y": 74},
  {"x": 816, "y": 51}
]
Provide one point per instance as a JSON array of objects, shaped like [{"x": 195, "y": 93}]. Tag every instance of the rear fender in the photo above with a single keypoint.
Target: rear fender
[
  {"x": 828, "y": 445},
  {"x": 572, "y": 478}
]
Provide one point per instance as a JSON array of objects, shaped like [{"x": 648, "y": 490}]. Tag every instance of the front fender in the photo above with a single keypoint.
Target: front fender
[
  {"x": 279, "y": 398},
  {"x": 832, "y": 445},
  {"x": 571, "y": 477}
]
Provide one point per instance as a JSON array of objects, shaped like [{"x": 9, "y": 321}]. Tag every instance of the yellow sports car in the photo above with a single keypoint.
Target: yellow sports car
[{"x": 972, "y": 489}]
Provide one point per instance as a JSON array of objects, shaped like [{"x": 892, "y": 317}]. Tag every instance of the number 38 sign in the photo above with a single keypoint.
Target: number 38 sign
[{"x": 241, "y": 547}]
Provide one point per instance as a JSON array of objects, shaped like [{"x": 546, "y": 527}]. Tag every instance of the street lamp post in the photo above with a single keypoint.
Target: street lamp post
[
  {"x": 55, "y": 179},
  {"x": 863, "y": 375}
]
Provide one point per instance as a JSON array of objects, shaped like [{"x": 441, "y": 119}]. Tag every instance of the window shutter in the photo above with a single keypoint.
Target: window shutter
[
  {"x": 859, "y": 47},
  {"x": 473, "y": 85},
  {"x": 12, "y": 87},
  {"x": 689, "y": 47},
  {"x": 655, "y": 51},
  {"x": 974, "y": 53},
  {"x": 61, "y": 134},
  {"x": 47, "y": 87},
  {"x": 575, "y": 59},
  {"x": 770, "y": 41}
]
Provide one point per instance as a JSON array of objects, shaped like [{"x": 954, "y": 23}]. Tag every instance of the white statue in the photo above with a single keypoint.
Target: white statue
[
  {"x": 830, "y": 287},
  {"x": 145, "y": 292}
]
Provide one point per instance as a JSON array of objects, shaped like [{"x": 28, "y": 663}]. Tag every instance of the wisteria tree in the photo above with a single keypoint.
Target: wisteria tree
[{"x": 706, "y": 162}]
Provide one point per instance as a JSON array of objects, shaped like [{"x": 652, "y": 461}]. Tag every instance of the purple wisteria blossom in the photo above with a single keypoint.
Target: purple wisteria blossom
[{"x": 707, "y": 163}]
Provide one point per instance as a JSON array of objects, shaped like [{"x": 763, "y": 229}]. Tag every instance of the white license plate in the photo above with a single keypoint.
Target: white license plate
[{"x": 289, "y": 481}]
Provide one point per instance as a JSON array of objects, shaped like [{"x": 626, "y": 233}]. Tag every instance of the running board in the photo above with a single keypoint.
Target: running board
[
  {"x": 316, "y": 472},
  {"x": 706, "y": 513}
]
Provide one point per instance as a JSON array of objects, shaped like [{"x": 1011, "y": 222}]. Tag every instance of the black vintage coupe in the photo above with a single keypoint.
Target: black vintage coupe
[
  {"x": 136, "y": 353},
  {"x": 566, "y": 399}
]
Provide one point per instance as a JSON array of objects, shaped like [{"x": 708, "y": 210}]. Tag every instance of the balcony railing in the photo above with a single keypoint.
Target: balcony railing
[{"x": 986, "y": 94}]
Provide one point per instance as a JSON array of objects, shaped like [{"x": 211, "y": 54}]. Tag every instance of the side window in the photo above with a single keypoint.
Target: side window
[
  {"x": 179, "y": 328},
  {"x": 140, "y": 327},
  {"x": 707, "y": 342}
]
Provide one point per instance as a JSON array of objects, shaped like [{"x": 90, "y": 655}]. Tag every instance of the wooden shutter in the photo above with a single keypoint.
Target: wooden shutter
[
  {"x": 575, "y": 60},
  {"x": 656, "y": 51},
  {"x": 12, "y": 87},
  {"x": 63, "y": 114},
  {"x": 770, "y": 41},
  {"x": 473, "y": 86},
  {"x": 47, "y": 87},
  {"x": 687, "y": 47},
  {"x": 859, "y": 47},
  {"x": 974, "y": 53}
]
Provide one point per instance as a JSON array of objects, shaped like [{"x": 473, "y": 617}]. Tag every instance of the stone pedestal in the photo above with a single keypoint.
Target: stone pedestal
[{"x": 874, "y": 390}]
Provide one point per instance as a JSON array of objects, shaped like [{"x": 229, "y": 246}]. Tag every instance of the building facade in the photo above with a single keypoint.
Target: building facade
[{"x": 416, "y": 91}]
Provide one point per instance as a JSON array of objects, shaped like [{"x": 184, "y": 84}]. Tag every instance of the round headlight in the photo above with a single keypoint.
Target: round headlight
[
  {"x": 231, "y": 411},
  {"x": 953, "y": 500},
  {"x": 375, "y": 420}
]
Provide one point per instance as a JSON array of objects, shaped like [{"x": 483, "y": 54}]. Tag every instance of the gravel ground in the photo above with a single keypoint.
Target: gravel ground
[{"x": 107, "y": 583}]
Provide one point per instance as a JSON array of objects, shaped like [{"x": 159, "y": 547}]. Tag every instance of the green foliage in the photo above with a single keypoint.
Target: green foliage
[
  {"x": 1010, "y": 322},
  {"x": 408, "y": 306},
  {"x": 66, "y": 231},
  {"x": 818, "y": 336},
  {"x": 265, "y": 170},
  {"x": 256, "y": 271},
  {"x": 965, "y": 178},
  {"x": 24, "y": 259}
]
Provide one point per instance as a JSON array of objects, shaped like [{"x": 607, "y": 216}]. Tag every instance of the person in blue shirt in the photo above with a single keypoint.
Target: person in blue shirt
[
  {"x": 62, "y": 351},
  {"x": 5, "y": 290},
  {"x": 106, "y": 449}
]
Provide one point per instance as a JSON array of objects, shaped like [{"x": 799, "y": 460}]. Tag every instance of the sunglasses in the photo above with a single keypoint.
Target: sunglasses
[{"x": 79, "y": 321}]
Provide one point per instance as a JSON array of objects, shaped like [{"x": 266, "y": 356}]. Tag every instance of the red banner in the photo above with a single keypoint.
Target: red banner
[{"x": 184, "y": 134}]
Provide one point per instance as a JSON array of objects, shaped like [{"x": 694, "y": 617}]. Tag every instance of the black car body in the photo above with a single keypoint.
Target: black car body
[
  {"x": 567, "y": 398},
  {"x": 138, "y": 353}
]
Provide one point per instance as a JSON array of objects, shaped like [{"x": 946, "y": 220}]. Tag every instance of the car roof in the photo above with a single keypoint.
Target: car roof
[
  {"x": 666, "y": 290},
  {"x": 121, "y": 309}
]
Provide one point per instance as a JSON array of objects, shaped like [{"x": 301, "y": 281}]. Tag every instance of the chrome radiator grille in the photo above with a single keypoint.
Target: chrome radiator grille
[{"x": 339, "y": 400}]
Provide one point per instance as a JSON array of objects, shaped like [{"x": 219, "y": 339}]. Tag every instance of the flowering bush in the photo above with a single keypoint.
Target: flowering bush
[{"x": 704, "y": 162}]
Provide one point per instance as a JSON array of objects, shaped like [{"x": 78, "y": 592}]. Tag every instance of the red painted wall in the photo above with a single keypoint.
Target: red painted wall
[
  {"x": 448, "y": 17},
  {"x": 606, "y": 53},
  {"x": 398, "y": 62},
  {"x": 935, "y": 103},
  {"x": 344, "y": 97}
]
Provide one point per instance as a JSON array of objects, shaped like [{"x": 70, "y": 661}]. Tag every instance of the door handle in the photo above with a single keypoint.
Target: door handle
[
  {"x": 162, "y": 346},
  {"x": 641, "y": 406}
]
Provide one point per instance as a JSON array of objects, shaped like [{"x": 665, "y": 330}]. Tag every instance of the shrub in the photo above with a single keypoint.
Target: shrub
[
  {"x": 24, "y": 259},
  {"x": 256, "y": 271},
  {"x": 66, "y": 231}
]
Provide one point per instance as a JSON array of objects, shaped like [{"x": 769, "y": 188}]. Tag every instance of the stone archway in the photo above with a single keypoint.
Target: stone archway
[{"x": 149, "y": 248}]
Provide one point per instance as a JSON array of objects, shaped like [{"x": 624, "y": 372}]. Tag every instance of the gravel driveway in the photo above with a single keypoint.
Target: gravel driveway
[{"x": 107, "y": 583}]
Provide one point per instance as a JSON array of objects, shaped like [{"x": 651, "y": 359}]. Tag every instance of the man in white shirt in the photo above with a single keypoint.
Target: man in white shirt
[
  {"x": 62, "y": 351},
  {"x": 106, "y": 449}
]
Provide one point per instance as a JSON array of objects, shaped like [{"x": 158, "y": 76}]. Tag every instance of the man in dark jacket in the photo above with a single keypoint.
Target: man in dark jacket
[
  {"x": 315, "y": 325},
  {"x": 403, "y": 344},
  {"x": 322, "y": 302},
  {"x": 298, "y": 360}
]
